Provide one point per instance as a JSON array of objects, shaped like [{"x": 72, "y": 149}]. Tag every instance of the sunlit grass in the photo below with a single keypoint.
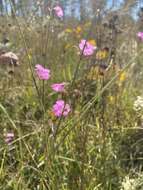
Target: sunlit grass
[{"x": 97, "y": 144}]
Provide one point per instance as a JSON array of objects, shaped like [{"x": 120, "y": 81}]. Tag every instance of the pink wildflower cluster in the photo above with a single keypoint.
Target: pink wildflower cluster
[
  {"x": 58, "y": 11},
  {"x": 43, "y": 74},
  {"x": 87, "y": 48},
  {"x": 60, "y": 108},
  {"x": 140, "y": 35}
]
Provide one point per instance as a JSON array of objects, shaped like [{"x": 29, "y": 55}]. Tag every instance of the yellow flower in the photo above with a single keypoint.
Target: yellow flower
[
  {"x": 68, "y": 30},
  {"x": 101, "y": 54},
  {"x": 67, "y": 46},
  {"x": 92, "y": 42},
  {"x": 78, "y": 29},
  {"x": 111, "y": 99},
  {"x": 122, "y": 76}
]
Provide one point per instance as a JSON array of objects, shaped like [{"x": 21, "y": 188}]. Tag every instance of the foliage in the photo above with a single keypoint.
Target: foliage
[{"x": 69, "y": 119}]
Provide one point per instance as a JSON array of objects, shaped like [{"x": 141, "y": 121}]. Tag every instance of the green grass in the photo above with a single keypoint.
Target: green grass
[{"x": 98, "y": 144}]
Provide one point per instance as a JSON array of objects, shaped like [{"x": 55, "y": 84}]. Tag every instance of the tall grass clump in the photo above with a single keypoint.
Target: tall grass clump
[{"x": 71, "y": 110}]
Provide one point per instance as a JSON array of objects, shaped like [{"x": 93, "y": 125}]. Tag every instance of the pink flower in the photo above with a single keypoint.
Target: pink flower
[
  {"x": 58, "y": 87},
  {"x": 61, "y": 109},
  {"x": 87, "y": 48},
  {"x": 43, "y": 74},
  {"x": 9, "y": 137},
  {"x": 59, "y": 11},
  {"x": 140, "y": 35}
]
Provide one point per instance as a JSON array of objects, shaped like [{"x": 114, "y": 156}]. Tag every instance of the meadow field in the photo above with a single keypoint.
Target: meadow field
[{"x": 71, "y": 95}]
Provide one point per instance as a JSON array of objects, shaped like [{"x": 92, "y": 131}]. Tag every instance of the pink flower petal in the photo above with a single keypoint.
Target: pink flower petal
[
  {"x": 58, "y": 87},
  {"x": 87, "y": 48},
  {"x": 43, "y": 74},
  {"x": 140, "y": 35},
  {"x": 61, "y": 109},
  {"x": 58, "y": 11}
]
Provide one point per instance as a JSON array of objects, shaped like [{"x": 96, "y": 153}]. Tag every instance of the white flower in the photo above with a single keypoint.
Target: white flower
[
  {"x": 138, "y": 103},
  {"x": 128, "y": 184}
]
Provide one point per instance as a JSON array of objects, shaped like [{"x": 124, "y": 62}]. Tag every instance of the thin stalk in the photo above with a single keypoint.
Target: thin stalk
[{"x": 29, "y": 61}]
